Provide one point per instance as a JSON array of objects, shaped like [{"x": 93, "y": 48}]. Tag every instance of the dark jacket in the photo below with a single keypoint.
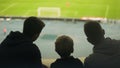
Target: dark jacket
[
  {"x": 105, "y": 55},
  {"x": 70, "y": 62},
  {"x": 17, "y": 51}
]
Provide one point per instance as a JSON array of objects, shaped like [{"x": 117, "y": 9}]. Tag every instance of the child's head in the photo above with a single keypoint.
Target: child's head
[{"x": 64, "y": 46}]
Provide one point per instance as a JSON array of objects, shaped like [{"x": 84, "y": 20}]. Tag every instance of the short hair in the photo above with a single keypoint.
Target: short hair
[
  {"x": 64, "y": 45},
  {"x": 32, "y": 25},
  {"x": 93, "y": 30}
]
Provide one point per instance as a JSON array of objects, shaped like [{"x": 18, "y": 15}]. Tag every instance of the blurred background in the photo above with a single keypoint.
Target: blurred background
[
  {"x": 64, "y": 17},
  {"x": 64, "y": 8}
]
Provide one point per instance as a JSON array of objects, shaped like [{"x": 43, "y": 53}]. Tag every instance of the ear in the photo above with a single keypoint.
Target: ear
[
  {"x": 35, "y": 36},
  {"x": 103, "y": 31},
  {"x": 55, "y": 46},
  {"x": 72, "y": 50}
]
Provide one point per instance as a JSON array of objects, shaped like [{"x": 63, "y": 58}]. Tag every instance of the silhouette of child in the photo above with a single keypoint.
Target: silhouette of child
[{"x": 64, "y": 48}]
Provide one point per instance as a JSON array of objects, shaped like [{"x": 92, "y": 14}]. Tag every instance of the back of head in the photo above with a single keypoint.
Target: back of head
[
  {"x": 93, "y": 31},
  {"x": 64, "y": 46},
  {"x": 32, "y": 26}
]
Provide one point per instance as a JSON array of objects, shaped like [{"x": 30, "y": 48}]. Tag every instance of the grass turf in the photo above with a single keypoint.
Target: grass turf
[{"x": 69, "y": 8}]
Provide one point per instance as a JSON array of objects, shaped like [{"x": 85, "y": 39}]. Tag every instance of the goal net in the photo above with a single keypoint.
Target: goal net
[{"x": 49, "y": 12}]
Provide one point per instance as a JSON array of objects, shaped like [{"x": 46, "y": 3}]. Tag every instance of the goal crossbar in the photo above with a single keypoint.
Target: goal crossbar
[{"x": 49, "y": 9}]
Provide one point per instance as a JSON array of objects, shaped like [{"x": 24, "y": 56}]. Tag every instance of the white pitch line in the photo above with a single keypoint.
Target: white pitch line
[
  {"x": 107, "y": 11},
  {"x": 8, "y": 7},
  {"x": 27, "y": 13}
]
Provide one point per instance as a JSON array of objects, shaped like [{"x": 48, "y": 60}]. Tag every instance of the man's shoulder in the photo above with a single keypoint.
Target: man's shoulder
[
  {"x": 30, "y": 46},
  {"x": 95, "y": 57},
  {"x": 112, "y": 40}
]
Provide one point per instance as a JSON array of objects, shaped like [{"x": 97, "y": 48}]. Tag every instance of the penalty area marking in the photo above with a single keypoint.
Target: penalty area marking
[
  {"x": 8, "y": 7},
  {"x": 28, "y": 12}
]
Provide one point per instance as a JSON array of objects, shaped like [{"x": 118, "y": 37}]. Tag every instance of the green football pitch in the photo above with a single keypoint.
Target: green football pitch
[{"x": 68, "y": 8}]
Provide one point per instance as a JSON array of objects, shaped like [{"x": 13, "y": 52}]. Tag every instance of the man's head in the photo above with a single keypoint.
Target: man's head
[
  {"x": 32, "y": 27},
  {"x": 94, "y": 32},
  {"x": 64, "y": 46}
]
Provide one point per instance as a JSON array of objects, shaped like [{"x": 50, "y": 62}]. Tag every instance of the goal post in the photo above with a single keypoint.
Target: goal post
[{"x": 49, "y": 12}]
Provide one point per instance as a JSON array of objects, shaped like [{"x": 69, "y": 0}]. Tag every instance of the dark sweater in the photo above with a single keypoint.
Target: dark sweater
[
  {"x": 69, "y": 62},
  {"x": 17, "y": 51}
]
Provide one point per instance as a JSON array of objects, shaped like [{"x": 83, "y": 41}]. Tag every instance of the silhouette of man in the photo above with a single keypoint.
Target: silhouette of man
[
  {"x": 104, "y": 48},
  {"x": 18, "y": 50},
  {"x": 64, "y": 47}
]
